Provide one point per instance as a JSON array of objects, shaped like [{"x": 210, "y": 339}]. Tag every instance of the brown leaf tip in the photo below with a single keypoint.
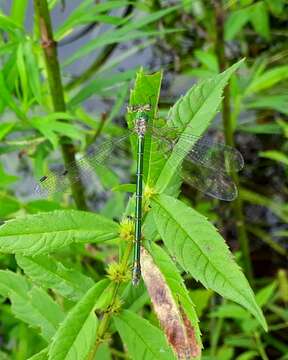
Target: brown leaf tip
[{"x": 173, "y": 320}]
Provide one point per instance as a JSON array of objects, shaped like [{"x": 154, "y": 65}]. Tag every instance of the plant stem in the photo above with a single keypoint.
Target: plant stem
[
  {"x": 105, "y": 322},
  {"x": 56, "y": 89},
  {"x": 215, "y": 336},
  {"x": 229, "y": 138}
]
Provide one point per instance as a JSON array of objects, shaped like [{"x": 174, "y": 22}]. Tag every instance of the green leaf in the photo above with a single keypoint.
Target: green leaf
[
  {"x": 23, "y": 76},
  {"x": 147, "y": 91},
  {"x": 103, "y": 352},
  {"x": 208, "y": 59},
  {"x": 51, "y": 274},
  {"x": 6, "y": 179},
  {"x": 42, "y": 355},
  {"x": 5, "y": 128},
  {"x": 192, "y": 114},
  {"x": 124, "y": 34},
  {"x": 31, "y": 304},
  {"x": 7, "y": 24},
  {"x": 8, "y": 205},
  {"x": 261, "y": 128},
  {"x": 201, "y": 251},
  {"x": 52, "y": 125},
  {"x": 46, "y": 232},
  {"x": 230, "y": 311},
  {"x": 143, "y": 340},
  {"x": 265, "y": 294},
  {"x": 260, "y": 19},
  {"x": 41, "y": 205},
  {"x": 268, "y": 79},
  {"x": 3, "y": 356},
  {"x": 236, "y": 21},
  {"x": 201, "y": 299},
  {"x": 248, "y": 355},
  {"x": 86, "y": 12},
  {"x": 33, "y": 70},
  {"x": 125, "y": 188},
  {"x": 277, "y": 102},
  {"x": 8, "y": 100},
  {"x": 77, "y": 333},
  {"x": 276, "y": 6},
  {"x": 38, "y": 309},
  {"x": 275, "y": 155},
  {"x": 18, "y": 11},
  {"x": 100, "y": 83}
]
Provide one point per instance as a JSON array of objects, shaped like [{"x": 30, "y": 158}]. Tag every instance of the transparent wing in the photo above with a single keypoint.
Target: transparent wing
[
  {"x": 59, "y": 180},
  {"x": 215, "y": 184},
  {"x": 204, "y": 150},
  {"x": 205, "y": 167}
]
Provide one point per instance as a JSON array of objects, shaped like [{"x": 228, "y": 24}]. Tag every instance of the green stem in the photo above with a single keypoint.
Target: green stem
[
  {"x": 216, "y": 333},
  {"x": 229, "y": 138},
  {"x": 56, "y": 89},
  {"x": 105, "y": 322}
]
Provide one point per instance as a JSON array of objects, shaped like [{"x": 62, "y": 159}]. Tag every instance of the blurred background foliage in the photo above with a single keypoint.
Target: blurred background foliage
[{"x": 101, "y": 45}]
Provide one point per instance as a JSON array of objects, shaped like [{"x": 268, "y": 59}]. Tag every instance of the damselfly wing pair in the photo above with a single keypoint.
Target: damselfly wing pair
[{"x": 201, "y": 162}]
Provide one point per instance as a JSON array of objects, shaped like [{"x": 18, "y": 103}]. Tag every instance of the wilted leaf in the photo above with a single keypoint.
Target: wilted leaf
[
  {"x": 173, "y": 320},
  {"x": 176, "y": 284}
]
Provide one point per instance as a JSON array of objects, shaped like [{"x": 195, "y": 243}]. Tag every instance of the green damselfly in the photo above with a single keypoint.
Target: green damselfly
[{"x": 200, "y": 162}]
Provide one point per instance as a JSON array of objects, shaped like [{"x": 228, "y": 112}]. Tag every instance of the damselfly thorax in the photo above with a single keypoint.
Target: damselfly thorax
[{"x": 141, "y": 123}]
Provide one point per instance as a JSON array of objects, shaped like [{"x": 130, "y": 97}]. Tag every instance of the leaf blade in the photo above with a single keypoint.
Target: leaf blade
[
  {"x": 74, "y": 336},
  {"x": 202, "y": 252},
  {"x": 46, "y": 232}
]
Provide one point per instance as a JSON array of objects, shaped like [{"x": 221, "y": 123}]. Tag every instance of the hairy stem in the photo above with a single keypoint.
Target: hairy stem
[
  {"x": 56, "y": 89},
  {"x": 229, "y": 137},
  {"x": 105, "y": 322}
]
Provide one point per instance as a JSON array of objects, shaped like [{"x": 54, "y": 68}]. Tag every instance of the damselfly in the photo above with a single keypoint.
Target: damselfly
[{"x": 200, "y": 162}]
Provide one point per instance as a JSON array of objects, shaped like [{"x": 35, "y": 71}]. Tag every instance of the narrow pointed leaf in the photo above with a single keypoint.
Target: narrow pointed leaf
[
  {"x": 46, "y": 232},
  {"x": 76, "y": 334},
  {"x": 201, "y": 251}
]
